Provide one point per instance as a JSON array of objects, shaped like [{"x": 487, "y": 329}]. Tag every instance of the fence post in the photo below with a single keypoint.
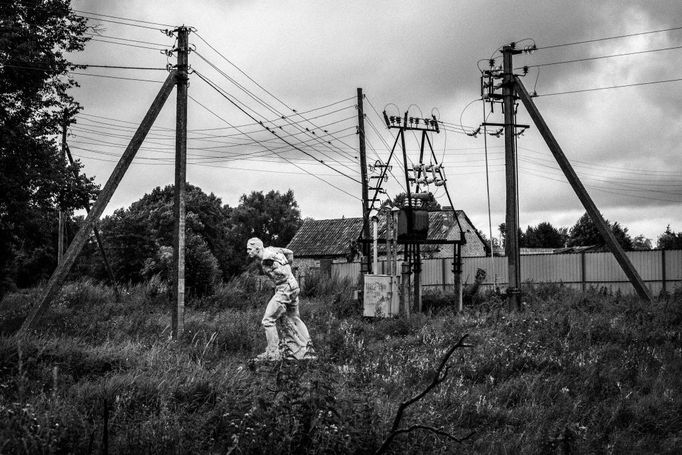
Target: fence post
[
  {"x": 583, "y": 273},
  {"x": 444, "y": 273},
  {"x": 663, "y": 277}
]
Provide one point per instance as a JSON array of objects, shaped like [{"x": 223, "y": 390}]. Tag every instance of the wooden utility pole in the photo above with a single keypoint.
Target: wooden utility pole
[
  {"x": 178, "y": 320},
  {"x": 366, "y": 266},
  {"x": 100, "y": 204},
  {"x": 512, "y": 217},
  {"x": 582, "y": 194}
]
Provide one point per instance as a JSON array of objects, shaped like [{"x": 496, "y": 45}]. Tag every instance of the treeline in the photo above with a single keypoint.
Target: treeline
[
  {"x": 138, "y": 240},
  {"x": 585, "y": 233}
]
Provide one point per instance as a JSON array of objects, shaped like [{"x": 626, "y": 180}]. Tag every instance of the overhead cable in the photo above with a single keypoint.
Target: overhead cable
[
  {"x": 609, "y": 87},
  {"x": 289, "y": 161},
  {"x": 586, "y": 59},
  {"x": 122, "y": 18},
  {"x": 610, "y": 38}
]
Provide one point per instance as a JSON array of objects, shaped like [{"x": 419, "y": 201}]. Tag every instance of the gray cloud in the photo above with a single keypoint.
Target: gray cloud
[{"x": 425, "y": 53}]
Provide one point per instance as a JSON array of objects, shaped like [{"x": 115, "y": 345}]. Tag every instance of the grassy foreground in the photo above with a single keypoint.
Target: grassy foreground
[{"x": 571, "y": 373}]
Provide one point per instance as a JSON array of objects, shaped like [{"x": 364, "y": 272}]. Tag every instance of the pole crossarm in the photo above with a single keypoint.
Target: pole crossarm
[
  {"x": 60, "y": 273},
  {"x": 581, "y": 192}
]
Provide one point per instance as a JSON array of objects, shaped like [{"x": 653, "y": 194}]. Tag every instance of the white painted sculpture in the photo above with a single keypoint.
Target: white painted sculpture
[{"x": 283, "y": 306}]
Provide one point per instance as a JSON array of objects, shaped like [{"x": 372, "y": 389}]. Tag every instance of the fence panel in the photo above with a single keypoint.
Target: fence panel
[
  {"x": 432, "y": 272},
  {"x": 550, "y": 268},
  {"x": 575, "y": 270},
  {"x": 350, "y": 270},
  {"x": 673, "y": 269}
]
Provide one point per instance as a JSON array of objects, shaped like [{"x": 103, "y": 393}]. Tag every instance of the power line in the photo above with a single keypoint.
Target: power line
[
  {"x": 624, "y": 186},
  {"x": 610, "y": 87},
  {"x": 260, "y": 101},
  {"x": 122, "y": 18},
  {"x": 290, "y": 162},
  {"x": 164, "y": 148},
  {"x": 237, "y": 102},
  {"x": 599, "y": 188},
  {"x": 134, "y": 125},
  {"x": 600, "y": 168},
  {"x": 99, "y": 35},
  {"x": 86, "y": 66},
  {"x": 142, "y": 68},
  {"x": 127, "y": 44},
  {"x": 118, "y": 22},
  {"x": 116, "y": 77},
  {"x": 202, "y": 77},
  {"x": 586, "y": 59},
  {"x": 609, "y": 38},
  {"x": 241, "y": 71},
  {"x": 171, "y": 161}
]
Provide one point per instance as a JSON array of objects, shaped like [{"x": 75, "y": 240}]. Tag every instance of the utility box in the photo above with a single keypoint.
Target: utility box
[
  {"x": 381, "y": 297},
  {"x": 413, "y": 224}
]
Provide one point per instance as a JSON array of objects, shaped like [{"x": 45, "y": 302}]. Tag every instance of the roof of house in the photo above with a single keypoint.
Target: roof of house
[{"x": 324, "y": 238}]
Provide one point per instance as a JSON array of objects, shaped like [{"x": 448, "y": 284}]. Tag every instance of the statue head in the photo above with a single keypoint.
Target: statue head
[{"x": 254, "y": 247}]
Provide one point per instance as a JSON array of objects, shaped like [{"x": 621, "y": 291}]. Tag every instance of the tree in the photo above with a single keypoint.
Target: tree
[
  {"x": 544, "y": 235},
  {"x": 35, "y": 180},
  {"x": 430, "y": 204},
  {"x": 641, "y": 243},
  {"x": 138, "y": 238},
  {"x": 585, "y": 233},
  {"x": 669, "y": 240},
  {"x": 273, "y": 217},
  {"x": 486, "y": 242},
  {"x": 503, "y": 236}
]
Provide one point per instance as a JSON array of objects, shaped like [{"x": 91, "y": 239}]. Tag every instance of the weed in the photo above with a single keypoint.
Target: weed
[{"x": 574, "y": 372}]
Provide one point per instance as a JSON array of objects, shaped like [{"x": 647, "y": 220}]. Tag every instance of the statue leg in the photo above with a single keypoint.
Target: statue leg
[
  {"x": 295, "y": 332},
  {"x": 275, "y": 309}
]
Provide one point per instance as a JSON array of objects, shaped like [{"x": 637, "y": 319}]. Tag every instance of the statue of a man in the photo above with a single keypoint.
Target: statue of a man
[{"x": 283, "y": 306}]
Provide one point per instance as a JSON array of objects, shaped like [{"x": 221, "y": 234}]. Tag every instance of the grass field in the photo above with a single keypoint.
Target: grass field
[{"x": 571, "y": 373}]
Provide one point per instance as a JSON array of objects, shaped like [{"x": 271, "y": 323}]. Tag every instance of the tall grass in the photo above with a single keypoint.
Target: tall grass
[{"x": 571, "y": 373}]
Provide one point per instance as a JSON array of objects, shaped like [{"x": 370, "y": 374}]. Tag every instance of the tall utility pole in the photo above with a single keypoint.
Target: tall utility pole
[
  {"x": 512, "y": 217},
  {"x": 180, "y": 179},
  {"x": 513, "y": 88},
  {"x": 60, "y": 233},
  {"x": 98, "y": 207},
  {"x": 366, "y": 266}
]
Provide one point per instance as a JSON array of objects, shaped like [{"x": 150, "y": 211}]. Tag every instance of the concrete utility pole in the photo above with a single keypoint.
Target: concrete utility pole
[
  {"x": 98, "y": 207},
  {"x": 366, "y": 266},
  {"x": 512, "y": 217},
  {"x": 178, "y": 319},
  {"x": 62, "y": 221}
]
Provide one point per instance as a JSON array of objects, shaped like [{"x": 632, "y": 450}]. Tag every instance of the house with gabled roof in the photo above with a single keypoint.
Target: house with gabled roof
[{"x": 319, "y": 243}]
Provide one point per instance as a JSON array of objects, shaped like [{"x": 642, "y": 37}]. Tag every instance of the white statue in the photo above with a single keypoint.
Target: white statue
[{"x": 283, "y": 306}]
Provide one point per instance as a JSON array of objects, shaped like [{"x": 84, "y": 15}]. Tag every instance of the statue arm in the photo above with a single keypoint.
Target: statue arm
[{"x": 288, "y": 254}]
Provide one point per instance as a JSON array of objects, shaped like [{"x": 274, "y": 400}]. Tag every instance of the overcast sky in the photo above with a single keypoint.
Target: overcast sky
[{"x": 311, "y": 56}]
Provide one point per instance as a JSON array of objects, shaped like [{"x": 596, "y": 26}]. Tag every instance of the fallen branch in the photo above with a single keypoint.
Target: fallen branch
[{"x": 439, "y": 376}]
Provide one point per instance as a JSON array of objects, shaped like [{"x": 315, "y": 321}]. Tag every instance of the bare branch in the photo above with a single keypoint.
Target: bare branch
[
  {"x": 440, "y": 375},
  {"x": 437, "y": 431}
]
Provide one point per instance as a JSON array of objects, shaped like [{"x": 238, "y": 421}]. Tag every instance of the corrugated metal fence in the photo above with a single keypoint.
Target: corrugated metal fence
[{"x": 660, "y": 269}]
